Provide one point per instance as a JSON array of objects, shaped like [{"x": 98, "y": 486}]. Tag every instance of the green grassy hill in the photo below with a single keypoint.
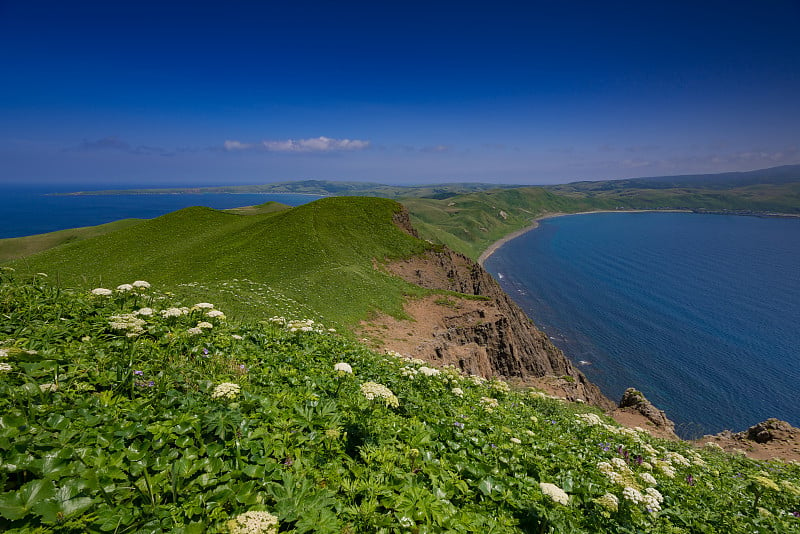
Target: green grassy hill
[
  {"x": 132, "y": 412},
  {"x": 317, "y": 257}
]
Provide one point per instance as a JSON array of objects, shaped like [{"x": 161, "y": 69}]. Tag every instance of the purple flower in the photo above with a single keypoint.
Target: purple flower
[
  {"x": 796, "y": 514},
  {"x": 458, "y": 424},
  {"x": 690, "y": 480},
  {"x": 138, "y": 372},
  {"x": 639, "y": 459},
  {"x": 205, "y": 351},
  {"x": 151, "y": 383}
]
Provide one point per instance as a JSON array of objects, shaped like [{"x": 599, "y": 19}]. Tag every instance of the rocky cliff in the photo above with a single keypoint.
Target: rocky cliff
[{"x": 482, "y": 331}]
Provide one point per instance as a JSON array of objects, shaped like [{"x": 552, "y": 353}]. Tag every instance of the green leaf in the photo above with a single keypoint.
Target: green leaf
[{"x": 16, "y": 505}]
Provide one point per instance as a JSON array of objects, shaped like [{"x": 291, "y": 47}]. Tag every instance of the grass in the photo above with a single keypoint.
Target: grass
[
  {"x": 317, "y": 257},
  {"x": 117, "y": 415}
]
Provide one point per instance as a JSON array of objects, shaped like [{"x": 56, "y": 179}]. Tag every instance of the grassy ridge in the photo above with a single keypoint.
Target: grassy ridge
[
  {"x": 317, "y": 256},
  {"x": 131, "y": 412},
  {"x": 20, "y": 247}
]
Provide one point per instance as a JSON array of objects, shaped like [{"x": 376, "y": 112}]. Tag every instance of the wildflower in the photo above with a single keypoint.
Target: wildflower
[
  {"x": 172, "y": 312},
  {"x": 5, "y": 367},
  {"x": 48, "y": 387},
  {"x": 712, "y": 445},
  {"x": 500, "y": 387},
  {"x": 194, "y": 331},
  {"x": 489, "y": 403},
  {"x": 428, "y": 371},
  {"x": 373, "y": 390},
  {"x": 144, "y": 311},
  {"x": 608, "y": 501},
  {"x": 3, "y": 353},
  {"x": 203, "y": 306},
  {"x": 458, "y": 392},
  {"x": 764, "y": 482},
  {"x": 408, "y": 372},
  {"x": 141, "y": 284},
  {"x": 124, "y": 287},
  {"x": 101, "y": 292},
  {"x": 343, "y": 368},
  {"x": 204, "y": 324},
  {"x": 690, "y": 480},
  {"x": 237, "y": 337},
  {"x": 138, "y": 372},
  {"x": 253, "y": 523},
  {"x": 554, "y": 492},
  {"x": 459, "y": 425},
  {"x": 515, "y": 440},
  {"x": 215, "y": 314},
  {"x": 591, "y": 419},
  {"x": 648, "y": 478},
  {"x": 226, "y": 390},
  {"x": 633, "y": 495}
]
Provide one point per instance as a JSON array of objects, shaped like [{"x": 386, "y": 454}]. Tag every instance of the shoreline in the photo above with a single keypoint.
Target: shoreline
[{"x": 491, "y": 249}]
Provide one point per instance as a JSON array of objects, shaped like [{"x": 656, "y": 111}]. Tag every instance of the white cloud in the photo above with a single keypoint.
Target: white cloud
[
  {"x": 231, "y": 145},
  {"x": 312, "y": 144},
  {"x": 315, "y": 144}
]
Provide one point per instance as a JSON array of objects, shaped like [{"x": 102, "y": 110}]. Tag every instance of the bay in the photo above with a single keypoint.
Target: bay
[
  {"x": 34, "y": 209},
  {"x": 699, "y": 312}
]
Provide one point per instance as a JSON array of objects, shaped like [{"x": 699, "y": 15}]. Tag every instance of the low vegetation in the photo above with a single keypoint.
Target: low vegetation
[{"x": 124, "y": 410}]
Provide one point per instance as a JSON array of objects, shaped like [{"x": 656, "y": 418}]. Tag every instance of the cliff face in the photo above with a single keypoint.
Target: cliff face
[{"x": 488, "y": 335}]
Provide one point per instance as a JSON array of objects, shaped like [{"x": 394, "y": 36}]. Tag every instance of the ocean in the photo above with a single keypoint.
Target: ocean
[
  {"x": 28, "y": 210},
  {"x": 699, "y": 312}
]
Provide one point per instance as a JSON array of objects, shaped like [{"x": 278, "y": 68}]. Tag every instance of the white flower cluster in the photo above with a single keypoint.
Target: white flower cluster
[
  {"x": 304, "y": 325},
  {"x": 500, "y": 386},
  {"x": 429, "y": 371},
  {"x": 127, "y": 322},
  {"x": 102, "y": 292},
  {"x": 554, "y": 492},
  {"x": 227, "y": 390},
  {"x": 648, "y": 479},
  {"x": 516, "y": 441},
  {"x": 477, "y": 380},
  {"x": 5, "y": 367},
  {"x": 215, "y": 314},
  {"x": 48, "y": 387},
  {"x": 174, "y": 312},
  {"x": 677, "y": 458},
  {"x": 408, "y": 371},
  {"x": 138, "y": 284},
  {"x": 203, "y": 306},
  {"x": 608, "y": 501},
  {"x": 458, "y": 392},
  {"x": 373, "y": 390},
  {"x": 194, "y": 331},
  {"x": 651, "y": 498},
  {"x": 146, "y": 312},
  {"x": 3, "y": 353},
  {"x": 343, "y": 367},
  {"x": 253, "y": 523},
  {"x": 617, "y": 472},
  {"x": 592, "y": 419},
  {"x": 489, "y": 403},
  {"x": 205, "y": 324}
]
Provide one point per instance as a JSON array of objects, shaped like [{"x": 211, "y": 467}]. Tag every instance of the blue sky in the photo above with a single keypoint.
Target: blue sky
[{"x": 200, "y": 93}]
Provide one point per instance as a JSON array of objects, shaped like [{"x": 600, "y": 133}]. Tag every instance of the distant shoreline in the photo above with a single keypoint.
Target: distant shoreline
[{"x": 491, "y": 249}]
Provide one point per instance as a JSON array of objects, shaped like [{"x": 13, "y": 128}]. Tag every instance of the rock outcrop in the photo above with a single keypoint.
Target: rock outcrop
[
  {"x": 482, "y": 333},
  {"x": 767, "y": 440},
  {"x": 634, "y": 403}
]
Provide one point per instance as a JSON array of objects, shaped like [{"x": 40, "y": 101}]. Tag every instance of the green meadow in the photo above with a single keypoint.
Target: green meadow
[{"x": 128, "y": 409}]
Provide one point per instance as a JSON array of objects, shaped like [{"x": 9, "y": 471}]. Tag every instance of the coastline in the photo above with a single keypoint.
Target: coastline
[{"x": 491, "y": 249}]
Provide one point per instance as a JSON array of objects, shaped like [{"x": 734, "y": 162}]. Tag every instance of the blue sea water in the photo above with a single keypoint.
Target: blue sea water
[
  {"x": 699, "y": 312},
  {"x": 28, "y": 210}
]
